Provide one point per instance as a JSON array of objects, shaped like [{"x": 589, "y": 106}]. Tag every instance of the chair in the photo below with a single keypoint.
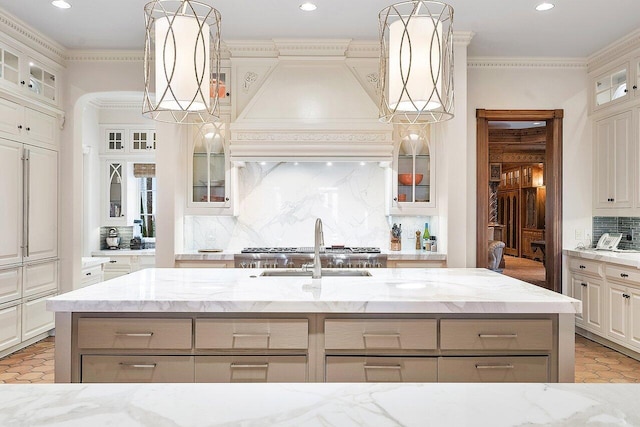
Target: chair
[{"x": 496, "y": 249}]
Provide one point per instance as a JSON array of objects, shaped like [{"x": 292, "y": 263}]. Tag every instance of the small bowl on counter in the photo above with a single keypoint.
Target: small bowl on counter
[{"x": 408, "y": 178}]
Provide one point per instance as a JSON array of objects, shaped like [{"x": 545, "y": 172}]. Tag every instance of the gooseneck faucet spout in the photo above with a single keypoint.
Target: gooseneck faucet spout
[{"x": 318, "y": 241}]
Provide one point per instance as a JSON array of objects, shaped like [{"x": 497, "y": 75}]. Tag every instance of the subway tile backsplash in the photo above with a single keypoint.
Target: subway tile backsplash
[
  {"x": 628, "y": 226},
  {"x": 125, "y": 233}
]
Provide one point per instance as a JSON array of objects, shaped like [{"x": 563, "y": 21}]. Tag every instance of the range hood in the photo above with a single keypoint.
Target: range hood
[{"x": 311, "y": 110}]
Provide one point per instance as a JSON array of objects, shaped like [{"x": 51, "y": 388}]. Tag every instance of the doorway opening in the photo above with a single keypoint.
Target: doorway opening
[{"x": 519, "y": 191}]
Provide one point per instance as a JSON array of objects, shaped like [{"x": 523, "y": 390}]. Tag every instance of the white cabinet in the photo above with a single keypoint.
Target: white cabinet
[
  {"x": 30, "y": 203},
  {"x": 115, "y": 192},
  {"x": 411, "y": 179},
  {"x": 129, "y": 139},
  {"x": 590, "y": 292},
  {"x": 624, "y": 315},
  {"x": 28, "y": 125},
  {"x": 211, "y": 176},
  {"x": 142, "y": 140},
  {"x": 614, "y": 158},
  {"x": 611, "y": 86},
  {"x": 10, "y": 325},
  {"x": 119, "y": 265},
  {"x": 36, "y": 319}
]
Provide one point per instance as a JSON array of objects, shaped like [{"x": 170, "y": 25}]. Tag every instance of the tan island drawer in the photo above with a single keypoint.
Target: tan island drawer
[
  {"x": 387, "y": 334},
  {"x": 251, "y": 369},
  {"x": 260, "y": 334},
  {"x": 584, "y": 266},
  {"x": 137, "y": 369},
  {"x": 477, "y": 334},
  {"x": 522, "y": 369},
  {"x": 359, "y": 369},
  {"x": 96, "y": 332}
]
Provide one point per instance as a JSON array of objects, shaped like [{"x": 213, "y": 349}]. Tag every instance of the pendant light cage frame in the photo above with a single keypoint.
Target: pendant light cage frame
[
  {"x": 417, "y": 81},
  {"x": 201, "y": 106}
]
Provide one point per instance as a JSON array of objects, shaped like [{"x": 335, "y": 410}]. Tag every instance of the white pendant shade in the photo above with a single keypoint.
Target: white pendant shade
[
  {"x": 182, "y": 63},
  {"x": 414, "y": 65},
  {"x": 416, "y": 62}
]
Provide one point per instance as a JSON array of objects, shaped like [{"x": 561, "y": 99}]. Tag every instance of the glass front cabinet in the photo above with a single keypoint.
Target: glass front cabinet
[
  {"x": 211, "y": 176},
  {"x": 412, "y": 175},
  {"x": 115, "y": 208}
]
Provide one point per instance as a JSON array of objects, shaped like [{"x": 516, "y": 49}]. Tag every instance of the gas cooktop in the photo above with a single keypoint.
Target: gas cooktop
[{"x": 309, "y": 250}]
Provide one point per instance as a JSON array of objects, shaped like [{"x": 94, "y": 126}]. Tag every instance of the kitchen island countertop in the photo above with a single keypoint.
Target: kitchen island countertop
[
  {"x": 438, "y": 290},
  {"x": 337, "y": 404},
  {"x": 227, "y": 255}
]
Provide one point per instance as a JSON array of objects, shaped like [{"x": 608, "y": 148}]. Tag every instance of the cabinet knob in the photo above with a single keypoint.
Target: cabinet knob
[
  {"x": 395, "y": 199},
  {"x": 30, "y": 85},
  {"x": 626, "y": 296},
  {"x": 226, "y": 198},
  {"x": 583, "y": 284},
  {"x": 88, "y": 274},
  {"x": 23, "y": 82},
  {"x": 19, "y": 126},
  {"x": 28, "y": 129},
  {"x": 112, "y": 261},
  {"x": 635, "y": 87},
  {"x": 624, "y": 275},
  {"x": 626, "y": 90},
  {"x": 582, "y": 267}
]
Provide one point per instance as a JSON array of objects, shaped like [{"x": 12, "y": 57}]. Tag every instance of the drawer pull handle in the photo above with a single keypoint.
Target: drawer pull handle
[
  {"x": 498, "y": 335},
  {"x": 624, "y": 275},
  {"x": 250, "y": 366},
  {"x": 88, "y": 274},
  {"x": 382, "y": 367},
  {"x": 113, "y": 261},
  {"x": 381, "y": 335},
  {"x": 507, "y": 366},
  {"x": 582, "y": 267},
  {"x": 139, "y": 365},
  {"x": 134, "y": 334},
  {"x": 583, "y": 284},
  {"x": 626, "y": 296}
]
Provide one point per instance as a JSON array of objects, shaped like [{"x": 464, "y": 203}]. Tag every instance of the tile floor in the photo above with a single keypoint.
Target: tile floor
[{"x": 594, "y": 364}]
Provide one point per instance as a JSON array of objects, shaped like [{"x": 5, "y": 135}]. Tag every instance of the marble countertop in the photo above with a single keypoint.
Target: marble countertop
[
  {"x": 227, "y": 255},
  {"x": 388, "y": 290},
  {"x": 318, "y": 404},
  {"x": 631, "y": 259},
  {"x": 124, "y": 252},
  {"x": 90, "y": 261}
]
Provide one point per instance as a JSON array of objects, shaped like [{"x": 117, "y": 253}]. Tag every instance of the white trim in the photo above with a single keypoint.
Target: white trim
[
  {"x": 30, "y": 37},
  {"x": 500, "y": 62},
  {"x": 105, "y": 55},
  {"x": 614, "y": 51}
]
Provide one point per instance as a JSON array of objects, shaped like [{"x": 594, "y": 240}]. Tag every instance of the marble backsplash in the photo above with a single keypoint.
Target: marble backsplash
[{"x": 281, "y": 201}]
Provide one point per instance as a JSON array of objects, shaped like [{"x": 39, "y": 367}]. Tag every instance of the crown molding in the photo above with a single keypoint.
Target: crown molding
[
  {"x": 463, "y": 37},
  {"x": 30, "y": 37},
  {"x": 115, "y": 104},
  {"x": 105, "y": 55},
  {"x": 500, "y": 62},
  {"x": 311, "y": 47},
  {"x": 614, "y": 51}
]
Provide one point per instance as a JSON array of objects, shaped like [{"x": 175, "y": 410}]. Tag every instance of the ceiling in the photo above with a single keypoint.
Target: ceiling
[{"x": 503, "y": 28}]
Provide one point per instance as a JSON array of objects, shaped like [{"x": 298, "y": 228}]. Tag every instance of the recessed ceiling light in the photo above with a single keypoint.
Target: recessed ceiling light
[
  {"x": 308, "y": 7},
  {"x": 544, "y": 6},
  {"x": 62, "y": 4}
]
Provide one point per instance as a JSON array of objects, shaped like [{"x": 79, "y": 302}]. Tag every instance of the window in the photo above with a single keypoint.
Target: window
[{"x": 146, "y": 176}]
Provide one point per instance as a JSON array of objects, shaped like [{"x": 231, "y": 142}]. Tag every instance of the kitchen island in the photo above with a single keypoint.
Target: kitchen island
[{"x": 212, "y": 325}]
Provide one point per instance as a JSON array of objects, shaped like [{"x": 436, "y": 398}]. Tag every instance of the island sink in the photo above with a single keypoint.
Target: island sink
[{"x": 327, "y": 273}]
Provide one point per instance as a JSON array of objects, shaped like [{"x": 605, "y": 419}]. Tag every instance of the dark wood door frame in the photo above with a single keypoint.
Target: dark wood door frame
[{"x": 552, "y": 179}]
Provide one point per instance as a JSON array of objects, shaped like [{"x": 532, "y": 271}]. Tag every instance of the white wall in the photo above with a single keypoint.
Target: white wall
[
  {"x": 535, "y": 88},
  {"x": 91, "y": 179}
]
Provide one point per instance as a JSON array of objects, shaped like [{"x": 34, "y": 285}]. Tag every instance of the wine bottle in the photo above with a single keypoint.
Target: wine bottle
[{"x": 426, "y": 238}]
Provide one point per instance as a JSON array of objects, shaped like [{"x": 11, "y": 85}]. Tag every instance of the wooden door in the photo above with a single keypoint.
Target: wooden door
[{"x": 508, "y": 215}]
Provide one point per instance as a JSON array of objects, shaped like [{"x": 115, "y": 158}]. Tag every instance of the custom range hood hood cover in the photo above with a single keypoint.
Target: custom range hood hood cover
[{"x": 311, "y": 110}]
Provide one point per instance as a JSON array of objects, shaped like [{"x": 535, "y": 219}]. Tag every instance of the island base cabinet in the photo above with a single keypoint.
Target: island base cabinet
[
  {"x": 521, "y": 369},
  {"x": 352, "y": 369},
  {"x": 137, "y": 369},
  {"x": 251, "y": 369}
]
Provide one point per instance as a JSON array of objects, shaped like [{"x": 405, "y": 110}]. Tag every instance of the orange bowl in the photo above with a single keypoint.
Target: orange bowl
[{"x": 407, "y": 178}]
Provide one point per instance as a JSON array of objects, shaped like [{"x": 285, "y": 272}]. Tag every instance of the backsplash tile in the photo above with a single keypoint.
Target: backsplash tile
[
  {"x": 628, "y": 226},
  {"x": 281, "y": 201}
]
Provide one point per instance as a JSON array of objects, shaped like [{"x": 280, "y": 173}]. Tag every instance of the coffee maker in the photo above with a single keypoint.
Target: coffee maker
[{"x": 113, "y": 239}]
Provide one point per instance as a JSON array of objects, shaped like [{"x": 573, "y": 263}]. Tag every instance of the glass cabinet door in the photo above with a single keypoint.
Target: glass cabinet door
[
  {"x": 9, "y": 66},
  {"x": 611, "y": 86},
  {"x": 209, "y": 165},
  {"x": 414, "y": 170},
  {"x": 116, "y": 190},
  {"x": 42, "y": 82}
]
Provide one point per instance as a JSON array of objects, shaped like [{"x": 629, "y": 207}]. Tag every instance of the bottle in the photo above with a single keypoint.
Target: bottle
[
  {"x": 426, "y": 237},
  {"x": 434, "y": 246}
]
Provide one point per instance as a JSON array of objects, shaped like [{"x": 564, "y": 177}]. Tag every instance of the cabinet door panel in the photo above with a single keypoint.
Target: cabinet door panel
[
  {"x": 40, "y": 278},
  {"x": 134, "y": 333},
  {"x": 617, "y": 312},
  {"x": 391, "y": 334},
  {"x": 634, "y": 318},
  {"x": 42, "y": 187},
  {"x": 578, "y": 291},
  {"x": 11, "y": 195},
  {"x": 480, "y": 334},
  {"x": 595, "y": 302},
  {"x": 36, "y": 319},
  {"x": 252, "y": 333},
  {"x": 10, "y": 326},
  {"x": 522, "y": 369},
  {"x": 10, "y": 284},
  {"x": 40, "y": 127},
  {"x": 381, "y": 369},
  {"x": 137, "y": 369},
  {"x": 11, "y": 117},
  {"x": 250, "y": 369}
]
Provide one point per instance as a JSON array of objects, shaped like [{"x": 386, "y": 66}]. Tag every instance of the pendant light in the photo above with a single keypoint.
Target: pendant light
[
  {"x": 182, "y": 61},
  {"x": 416, "y": 62}
]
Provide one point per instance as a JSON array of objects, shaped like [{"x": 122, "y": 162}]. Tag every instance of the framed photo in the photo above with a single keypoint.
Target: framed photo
[{"x": 495, "y": 170}]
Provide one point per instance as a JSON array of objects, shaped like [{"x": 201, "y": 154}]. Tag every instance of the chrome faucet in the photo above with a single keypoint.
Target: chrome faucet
[{"x": 318, "y": 241}]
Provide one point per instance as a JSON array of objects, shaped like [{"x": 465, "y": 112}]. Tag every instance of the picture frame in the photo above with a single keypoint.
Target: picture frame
[{"x": 495, "y": 170}]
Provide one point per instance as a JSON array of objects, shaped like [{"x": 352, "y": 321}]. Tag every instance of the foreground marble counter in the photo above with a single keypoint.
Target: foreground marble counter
[
  {"x": 339, "y": 405},
  {"x": 227, "y": 255},
  {"x": 438, "y": 290}
]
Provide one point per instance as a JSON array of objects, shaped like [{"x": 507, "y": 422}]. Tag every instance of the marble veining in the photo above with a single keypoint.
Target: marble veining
[
  {"x": 280, "y": 202},
  {"x": 319, "y": 404},
  {"x": 438, "y": 290}
]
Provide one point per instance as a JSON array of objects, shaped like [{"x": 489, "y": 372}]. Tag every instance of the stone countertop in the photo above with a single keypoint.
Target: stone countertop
[
  {"x": 124, "y": 252},
  {"x": 388, "y": 290},
  {"x": 227, "y": 255},
  {"x": 631, "y": 259},
  {"x": 315, "y": 404},
  {"x": 91, "y": 261}
]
